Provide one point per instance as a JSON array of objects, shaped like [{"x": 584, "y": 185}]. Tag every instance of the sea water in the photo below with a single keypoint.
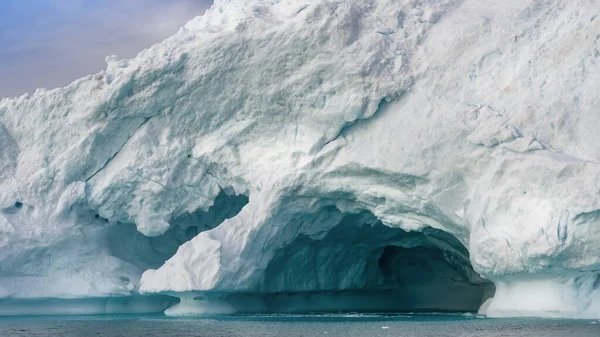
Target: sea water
[{"x": 327, "y": 325}]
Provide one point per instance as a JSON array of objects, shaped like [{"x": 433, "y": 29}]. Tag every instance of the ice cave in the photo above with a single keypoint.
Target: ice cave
[
  {"x": 294, "y": 156},
  {"x": 339, "y": 262}
]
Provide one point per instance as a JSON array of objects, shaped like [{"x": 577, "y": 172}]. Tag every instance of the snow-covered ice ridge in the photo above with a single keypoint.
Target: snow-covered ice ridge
[{"x": 298, "y": 155}]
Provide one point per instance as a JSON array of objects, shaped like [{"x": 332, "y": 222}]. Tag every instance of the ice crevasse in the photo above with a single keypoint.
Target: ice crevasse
[{"x": 294, "y": 156}]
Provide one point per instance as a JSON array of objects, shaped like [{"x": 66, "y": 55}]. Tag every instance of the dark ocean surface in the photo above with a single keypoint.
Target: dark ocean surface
[{"x": 347, "y": 325}]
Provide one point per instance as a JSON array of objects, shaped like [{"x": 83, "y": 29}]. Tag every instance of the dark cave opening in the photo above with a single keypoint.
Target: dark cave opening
[{"x": 362, "y": 265}]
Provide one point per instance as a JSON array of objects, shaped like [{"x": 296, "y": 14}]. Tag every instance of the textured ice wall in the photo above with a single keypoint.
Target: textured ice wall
[{"x": 475, "y": 118}]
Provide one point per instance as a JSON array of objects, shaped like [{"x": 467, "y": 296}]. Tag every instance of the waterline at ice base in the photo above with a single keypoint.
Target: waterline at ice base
[{"x": 317, "y": 156}]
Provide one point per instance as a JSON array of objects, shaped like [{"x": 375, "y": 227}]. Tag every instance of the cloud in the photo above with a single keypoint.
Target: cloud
[{"x": 51, "y": 43}]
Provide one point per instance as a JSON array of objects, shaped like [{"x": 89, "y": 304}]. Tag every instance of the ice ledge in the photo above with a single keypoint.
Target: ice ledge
[
  {"x": 572, "y": 296},
  {"x": 152, "y": 304},
  {"x": 409, "y": 299}
]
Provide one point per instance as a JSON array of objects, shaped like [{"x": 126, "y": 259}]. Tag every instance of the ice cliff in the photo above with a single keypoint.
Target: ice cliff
[{"x": 299, "y": 155}]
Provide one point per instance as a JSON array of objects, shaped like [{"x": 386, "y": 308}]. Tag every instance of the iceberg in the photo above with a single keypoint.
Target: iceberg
[{"x": 315, "y": 155}]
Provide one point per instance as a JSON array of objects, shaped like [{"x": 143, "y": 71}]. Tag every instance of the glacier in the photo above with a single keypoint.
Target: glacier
[{"x": 317, "y": 155}]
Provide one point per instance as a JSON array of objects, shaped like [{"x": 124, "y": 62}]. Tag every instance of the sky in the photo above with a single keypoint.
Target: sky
[{"x": 50, "y": 43}]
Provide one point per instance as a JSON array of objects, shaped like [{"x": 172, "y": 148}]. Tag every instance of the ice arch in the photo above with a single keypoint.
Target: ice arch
[
  {"x": 115, "y": 254},
  {"x": 341, "y": 261},
  {"x": 128, "y": 244}
]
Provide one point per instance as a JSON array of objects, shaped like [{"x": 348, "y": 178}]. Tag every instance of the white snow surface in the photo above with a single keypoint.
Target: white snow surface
[{"x": 476, "y": 118}]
